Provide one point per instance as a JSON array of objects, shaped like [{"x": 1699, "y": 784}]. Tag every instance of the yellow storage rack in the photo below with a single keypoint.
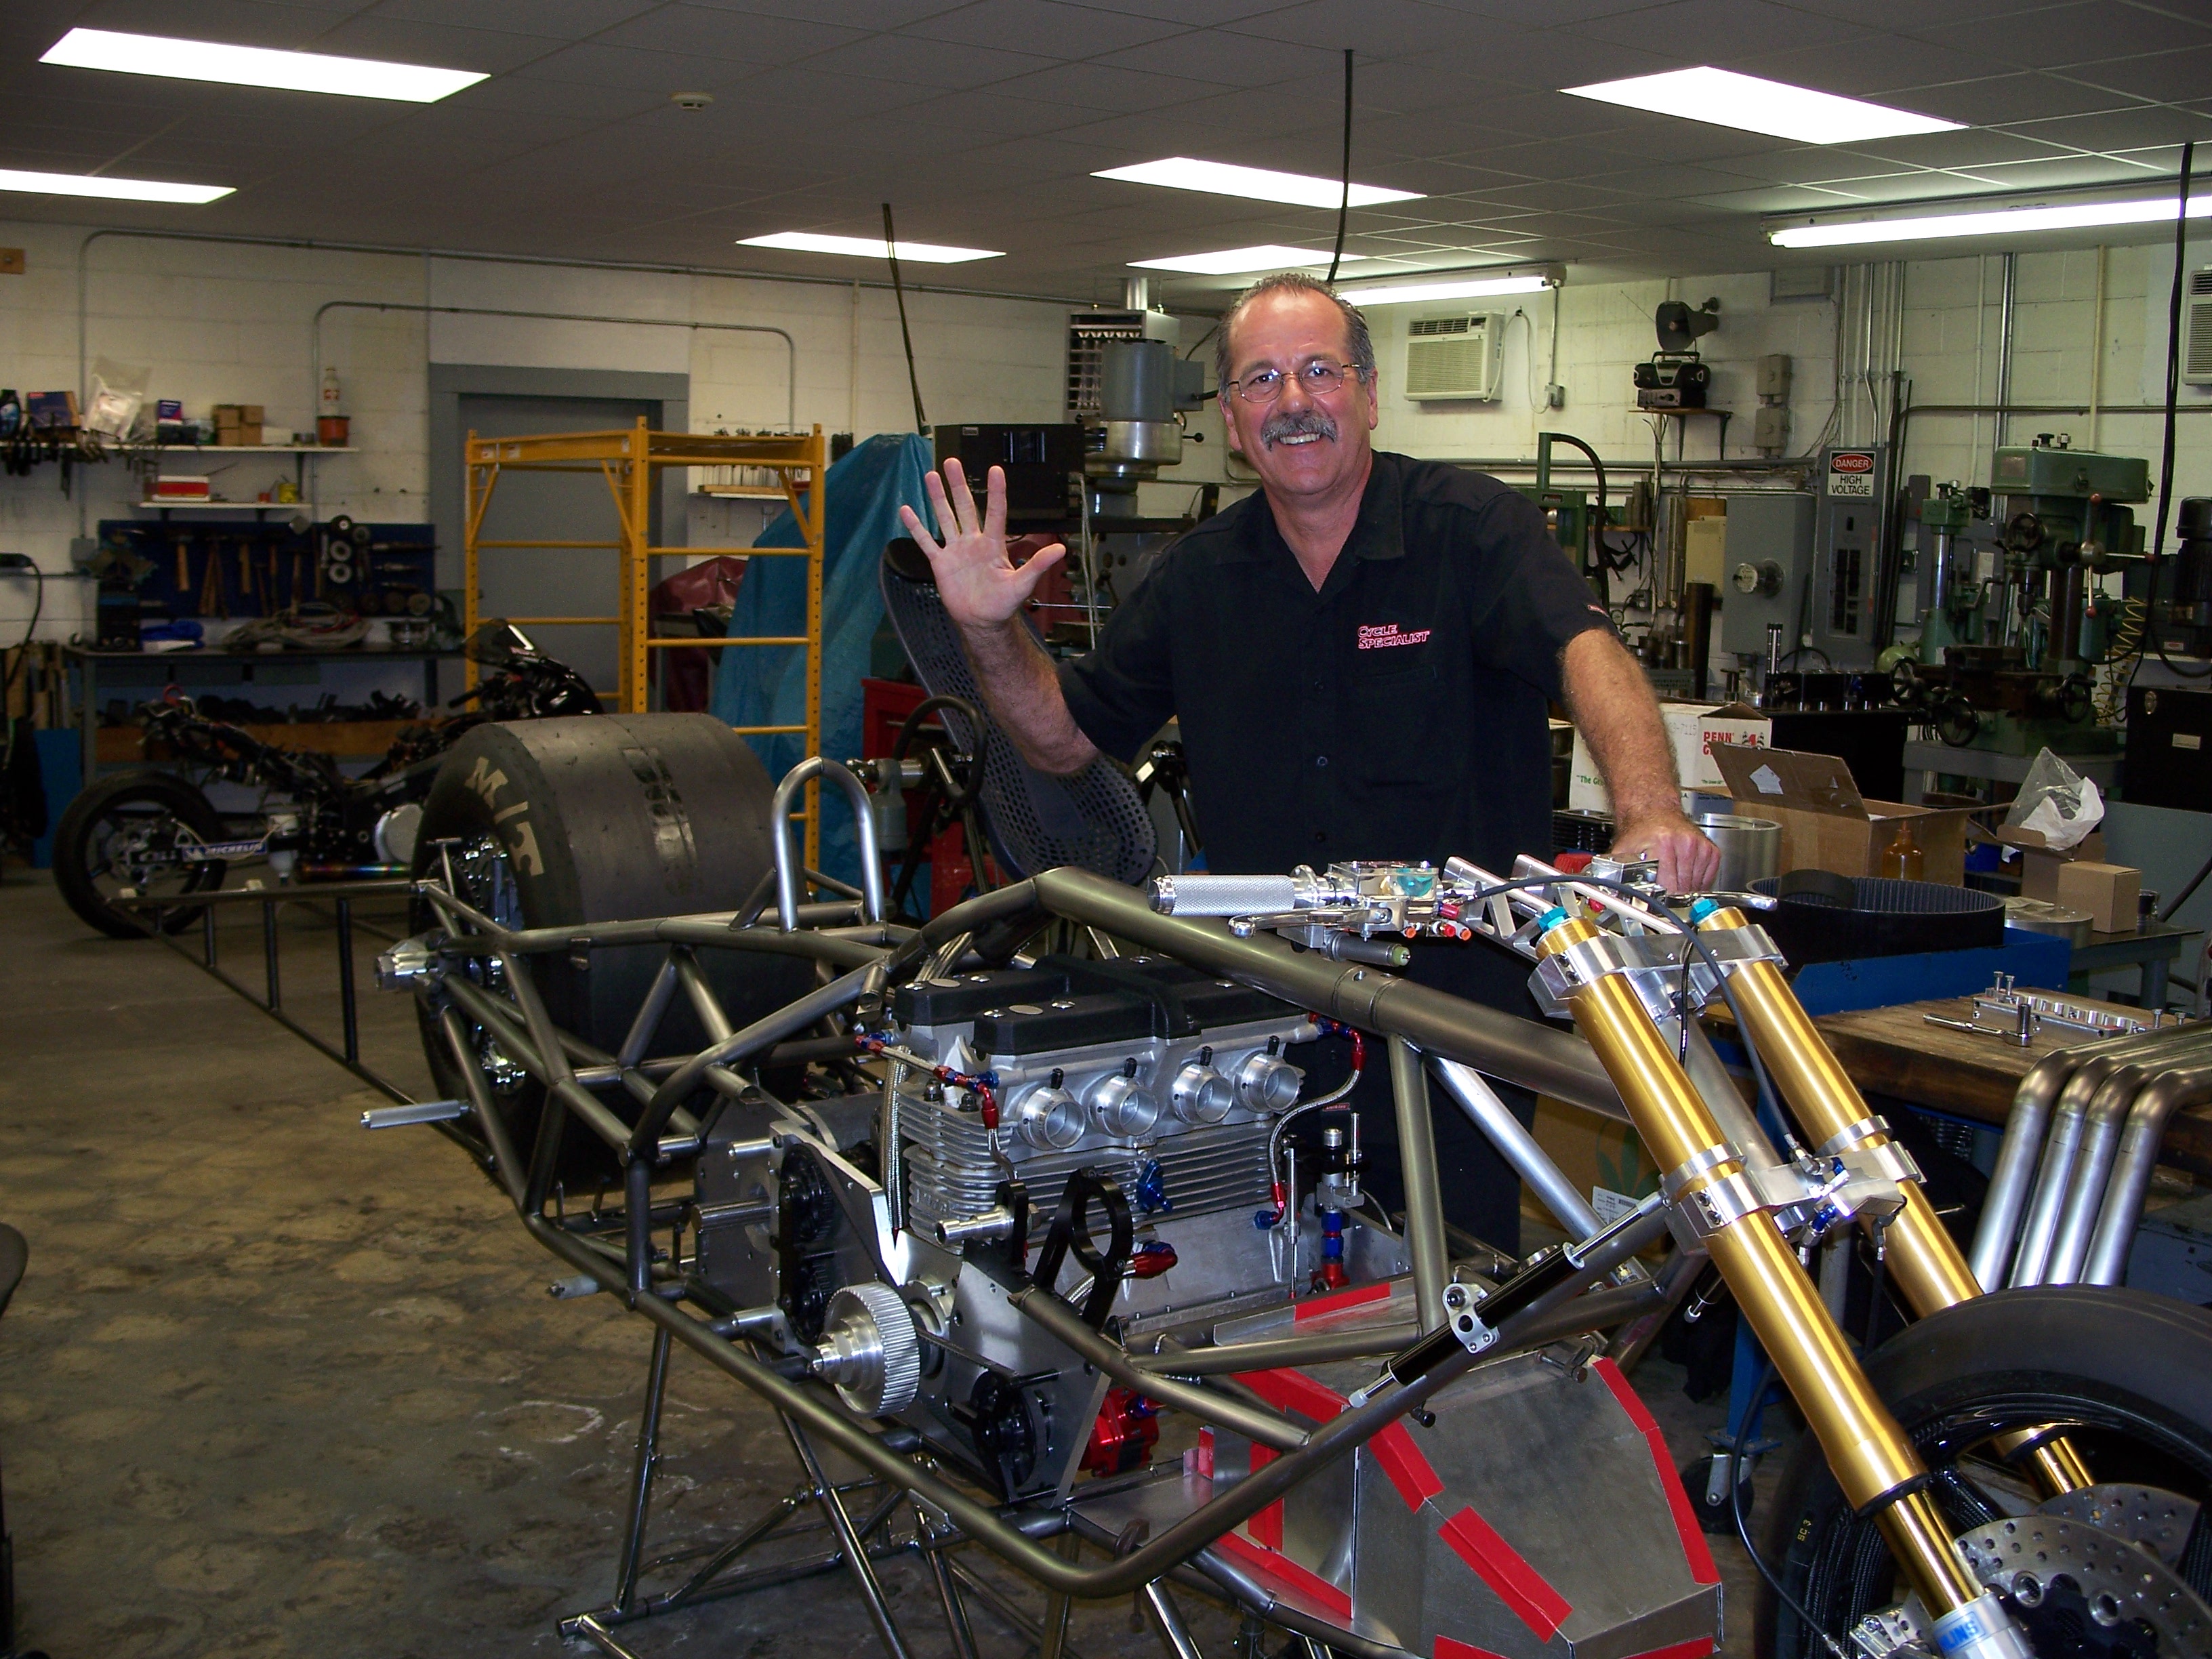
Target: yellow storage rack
[{"x": 630, "y": 461}]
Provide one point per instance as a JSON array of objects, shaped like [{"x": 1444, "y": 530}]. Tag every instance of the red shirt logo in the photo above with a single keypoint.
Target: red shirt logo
[{"x": 1381, "y": 636}]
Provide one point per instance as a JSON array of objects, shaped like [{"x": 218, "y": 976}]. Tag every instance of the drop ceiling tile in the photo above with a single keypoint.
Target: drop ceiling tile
[
  {"x": 1232, "y": 60},
  {"x": 1413, "y": 86},
  {"x": 1664, "y": 184},
  {"x": 2055, "y": 174},
  {"x": 853, "y": 13},
  {"x": 2130, "y": 129},
  {"x": 591, "y": 104},
  {"x": 1046, "y": 27},
  {"x": 939, "y": 64},
  {"x": 1873, "y": 66},
  {"x": 1910, "y": 16},
  {"x": 2168, "y": 76},
  {"x": 1544, "y": 60},
  {"x": 1523, "y": 114},
  {"x": 565, "y": 19},
  {"x": 1973, "y": 147},
  {"x": 1376, "y": 28},
  {"x": 1086, "y": 90},
  {"x": 242, "y": 21},
  {"x": 706, "y": 32},
  {"x": 1699, "y": 29},
  {"x": 664, "y": 72},
  {"x": 1993, "y": 101},
  {"x": 2054, "y": 37},
  {"x": 493, "y": 51},
  {"x": 1197, "y": 13},
  {"x": 1540, "y": 14},
  {"x": 804, "y": 90}
]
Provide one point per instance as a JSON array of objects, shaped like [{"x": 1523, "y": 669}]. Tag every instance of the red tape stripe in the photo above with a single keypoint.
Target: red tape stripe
[
  {"x": 1266, "y": 1526},
  {"x": 1449, "y": 1647},
  {"x": 1499, "y": 1565},
  {"x": 1697, "y": 1649},
  {"x": 1694, "y": 1547},
  {"x": 1409, "y": 1472},
  {"x": 1337, "y": 1301},
  {"x": 1287, "y": 1572}
]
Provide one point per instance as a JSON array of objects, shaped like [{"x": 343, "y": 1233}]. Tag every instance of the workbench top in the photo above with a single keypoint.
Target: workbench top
[{"x": 1895, "y": 1051}]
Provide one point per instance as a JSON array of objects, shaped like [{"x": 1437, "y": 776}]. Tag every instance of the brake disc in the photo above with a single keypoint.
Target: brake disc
[
  {"x": 2150, "y": 1518},
  {"x": 2078, "y": 1590}
]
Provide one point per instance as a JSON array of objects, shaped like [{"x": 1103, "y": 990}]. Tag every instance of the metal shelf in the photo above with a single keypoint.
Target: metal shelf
[{"x": 238, "y": 449}]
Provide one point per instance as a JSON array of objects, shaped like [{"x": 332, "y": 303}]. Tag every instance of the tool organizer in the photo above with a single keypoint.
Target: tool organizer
[{"x": 237, "y": 568}]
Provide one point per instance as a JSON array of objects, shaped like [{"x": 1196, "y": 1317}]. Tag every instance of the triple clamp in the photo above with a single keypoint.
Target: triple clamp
[
  {"x": 1653, "y": 965},
  {"x": 1810, "y": 1197}
]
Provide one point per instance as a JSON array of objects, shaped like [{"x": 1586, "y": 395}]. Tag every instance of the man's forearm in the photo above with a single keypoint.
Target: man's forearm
[
  {"x": 1613, "y": 707},
  {"x": 1024, "y": 697}
]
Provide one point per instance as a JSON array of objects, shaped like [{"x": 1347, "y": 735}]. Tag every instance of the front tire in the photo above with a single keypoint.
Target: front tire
[
  {"x": 2133, "y": 1370},
  {"x": 120, "y": 835}
]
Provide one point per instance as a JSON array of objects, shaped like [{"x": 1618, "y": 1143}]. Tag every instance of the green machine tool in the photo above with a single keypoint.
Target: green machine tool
[{"x": 2007, "y": 654}]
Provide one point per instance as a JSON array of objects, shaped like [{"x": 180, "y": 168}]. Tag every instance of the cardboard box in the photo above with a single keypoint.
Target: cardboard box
[
  {"x": 233, "y": 437},
  {"x": 1693, "y": 730},
  {"x": 180, "y": 487},
  {"x": 2039, "y": 865},
  {"x": 237, "y": 414},
  {"x": 2106, "y": 891},
  {"x": 50, "y": 409},
  {"x": 1827, "y": 825},
  {"x": 1603, "y": 1158}
]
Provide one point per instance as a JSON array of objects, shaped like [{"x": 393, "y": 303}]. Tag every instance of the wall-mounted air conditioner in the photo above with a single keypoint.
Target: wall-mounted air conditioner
[
  {"x": 1460, "y": 356},
  {"x": 2197, "y": 329}
]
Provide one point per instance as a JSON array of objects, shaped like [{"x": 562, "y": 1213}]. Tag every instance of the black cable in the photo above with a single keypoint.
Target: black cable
[
  {"x": 1743, "y": 1528},
  {"x": 913, "y": 380},
  {"x": 2173, "y": 409},
  {"x": 1344, "y": 201},
  {"x": 2195, "y": 882}
]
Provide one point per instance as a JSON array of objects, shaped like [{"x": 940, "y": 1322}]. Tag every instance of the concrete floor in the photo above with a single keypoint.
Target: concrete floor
[{"x": 274, "y": 1384}]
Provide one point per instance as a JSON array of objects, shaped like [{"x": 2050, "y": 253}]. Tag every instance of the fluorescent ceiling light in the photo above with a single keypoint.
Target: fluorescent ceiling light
[
  {"x": 2018, "y": 222},
  {"x": 1451, "y": 288},
  {"x": 869, "y": 248},
  {"x": 113, "y": 190},
  {"x": 1725, "y": 98},
  {"x": 256, "y": 66},
  {"x": 1256, "y": 184},
  {"x": 1239, "y": 261}
]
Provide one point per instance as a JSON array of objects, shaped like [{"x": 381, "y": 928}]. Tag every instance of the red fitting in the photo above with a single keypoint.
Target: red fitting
[
  {"x": 1151, "y": 1260},
  {"x": 990, "y": 1106}
]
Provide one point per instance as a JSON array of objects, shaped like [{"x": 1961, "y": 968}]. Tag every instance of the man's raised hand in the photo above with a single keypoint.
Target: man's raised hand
[{"x": 982, "y": 587}]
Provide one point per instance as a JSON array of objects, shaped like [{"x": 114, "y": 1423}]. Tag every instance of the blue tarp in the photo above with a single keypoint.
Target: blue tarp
[{"x": 766, "y": 685}]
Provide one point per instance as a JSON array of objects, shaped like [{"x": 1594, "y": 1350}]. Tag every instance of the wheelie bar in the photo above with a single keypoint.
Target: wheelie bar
[
  {"x": 1928, "y": 1268},
  {"x": 1873, "y": 1460}
]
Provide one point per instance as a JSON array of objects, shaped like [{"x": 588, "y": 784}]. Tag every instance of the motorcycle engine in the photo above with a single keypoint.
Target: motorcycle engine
[{"x": 1137, "y": 1081}]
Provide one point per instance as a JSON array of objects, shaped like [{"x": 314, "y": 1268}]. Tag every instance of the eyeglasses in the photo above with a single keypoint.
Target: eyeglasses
[{"x": 1316, "y": 379}]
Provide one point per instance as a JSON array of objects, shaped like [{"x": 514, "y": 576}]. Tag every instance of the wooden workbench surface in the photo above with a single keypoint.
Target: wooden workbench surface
[{"x": 1895, "y": 1051}]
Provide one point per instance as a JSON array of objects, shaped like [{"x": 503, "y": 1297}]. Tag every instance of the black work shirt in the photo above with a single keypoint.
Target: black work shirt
[{"x": 1398, "y": 713}]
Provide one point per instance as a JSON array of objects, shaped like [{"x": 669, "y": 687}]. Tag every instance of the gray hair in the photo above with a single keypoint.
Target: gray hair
[{"x": 1361, "y": 344}]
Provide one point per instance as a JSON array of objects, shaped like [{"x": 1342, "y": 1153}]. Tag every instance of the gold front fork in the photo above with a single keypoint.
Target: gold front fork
[
  {"x": 1925, "y": 1261},
  {"x": 1873, "y": 1460}
]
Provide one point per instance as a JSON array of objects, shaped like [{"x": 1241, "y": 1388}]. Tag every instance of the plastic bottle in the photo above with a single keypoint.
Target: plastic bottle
[{"x": 1902, "y": 860}]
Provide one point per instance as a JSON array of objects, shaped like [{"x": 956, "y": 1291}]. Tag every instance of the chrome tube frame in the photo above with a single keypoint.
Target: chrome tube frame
[
  {"x": 1516, "y": 1147},
  {"x": 864, "y": 825},
  {"x": 2109, "y": 1112}
]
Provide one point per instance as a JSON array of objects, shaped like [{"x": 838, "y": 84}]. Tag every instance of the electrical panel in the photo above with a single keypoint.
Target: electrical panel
[
  {"x": 2197, "y": 329},
  {"x": 1460, "y": 356},
  {"x": 1088, "y": 335},
  {"x": 1854, "y": 488},
  {"x": 1770, "y": 543}
]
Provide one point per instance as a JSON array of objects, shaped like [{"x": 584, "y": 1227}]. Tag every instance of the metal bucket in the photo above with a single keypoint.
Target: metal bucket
[{"x": 1751, "y": 848}]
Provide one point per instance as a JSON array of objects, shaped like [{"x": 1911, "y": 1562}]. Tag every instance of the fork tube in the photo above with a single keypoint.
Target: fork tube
[
  {"x": 1873, "y": 1460},
  {"x": 1929, "y": 1269}
]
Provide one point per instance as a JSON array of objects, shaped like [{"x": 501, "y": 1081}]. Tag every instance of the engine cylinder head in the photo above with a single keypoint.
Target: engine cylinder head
[
  {"x": 1049, "y": 1119},
  {"x": 1267, "y": 1084},
  {"x": 1201, "y": 1095},
  {"x": 1122, "y": 1106}
]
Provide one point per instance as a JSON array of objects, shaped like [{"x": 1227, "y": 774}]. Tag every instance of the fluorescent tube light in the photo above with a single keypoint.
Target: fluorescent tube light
[
  {"x": 1256, "y": 184},
  {"x": 113, "y": 190},
  {"x": 1239, "y": 261},
  {"x": 1455, "y": 288},
  {"x": 256, "y": 66},
  {"x": 2017, "y": 221},
  {"x": 869, "y": 248},
  {"x": 1725, "y": 98}
]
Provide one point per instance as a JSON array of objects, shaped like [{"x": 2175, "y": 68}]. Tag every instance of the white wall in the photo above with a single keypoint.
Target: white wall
[{"x": 228, "y": 323}]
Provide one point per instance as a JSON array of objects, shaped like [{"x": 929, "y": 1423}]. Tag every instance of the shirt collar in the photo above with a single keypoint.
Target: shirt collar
[{"x": 1378, "y": 534}]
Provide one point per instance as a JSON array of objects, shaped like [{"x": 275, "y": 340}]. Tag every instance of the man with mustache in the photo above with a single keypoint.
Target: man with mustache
[{"x": 1359, "y": 656}]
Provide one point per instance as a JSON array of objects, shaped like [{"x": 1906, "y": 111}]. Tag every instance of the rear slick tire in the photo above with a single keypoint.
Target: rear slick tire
[
  {"x": 602, "y": 818},
  {"x": 2132, "y": 1368}
]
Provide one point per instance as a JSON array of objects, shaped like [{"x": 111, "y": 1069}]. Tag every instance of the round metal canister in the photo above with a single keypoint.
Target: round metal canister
[{"x": 1751, "y": 849}]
